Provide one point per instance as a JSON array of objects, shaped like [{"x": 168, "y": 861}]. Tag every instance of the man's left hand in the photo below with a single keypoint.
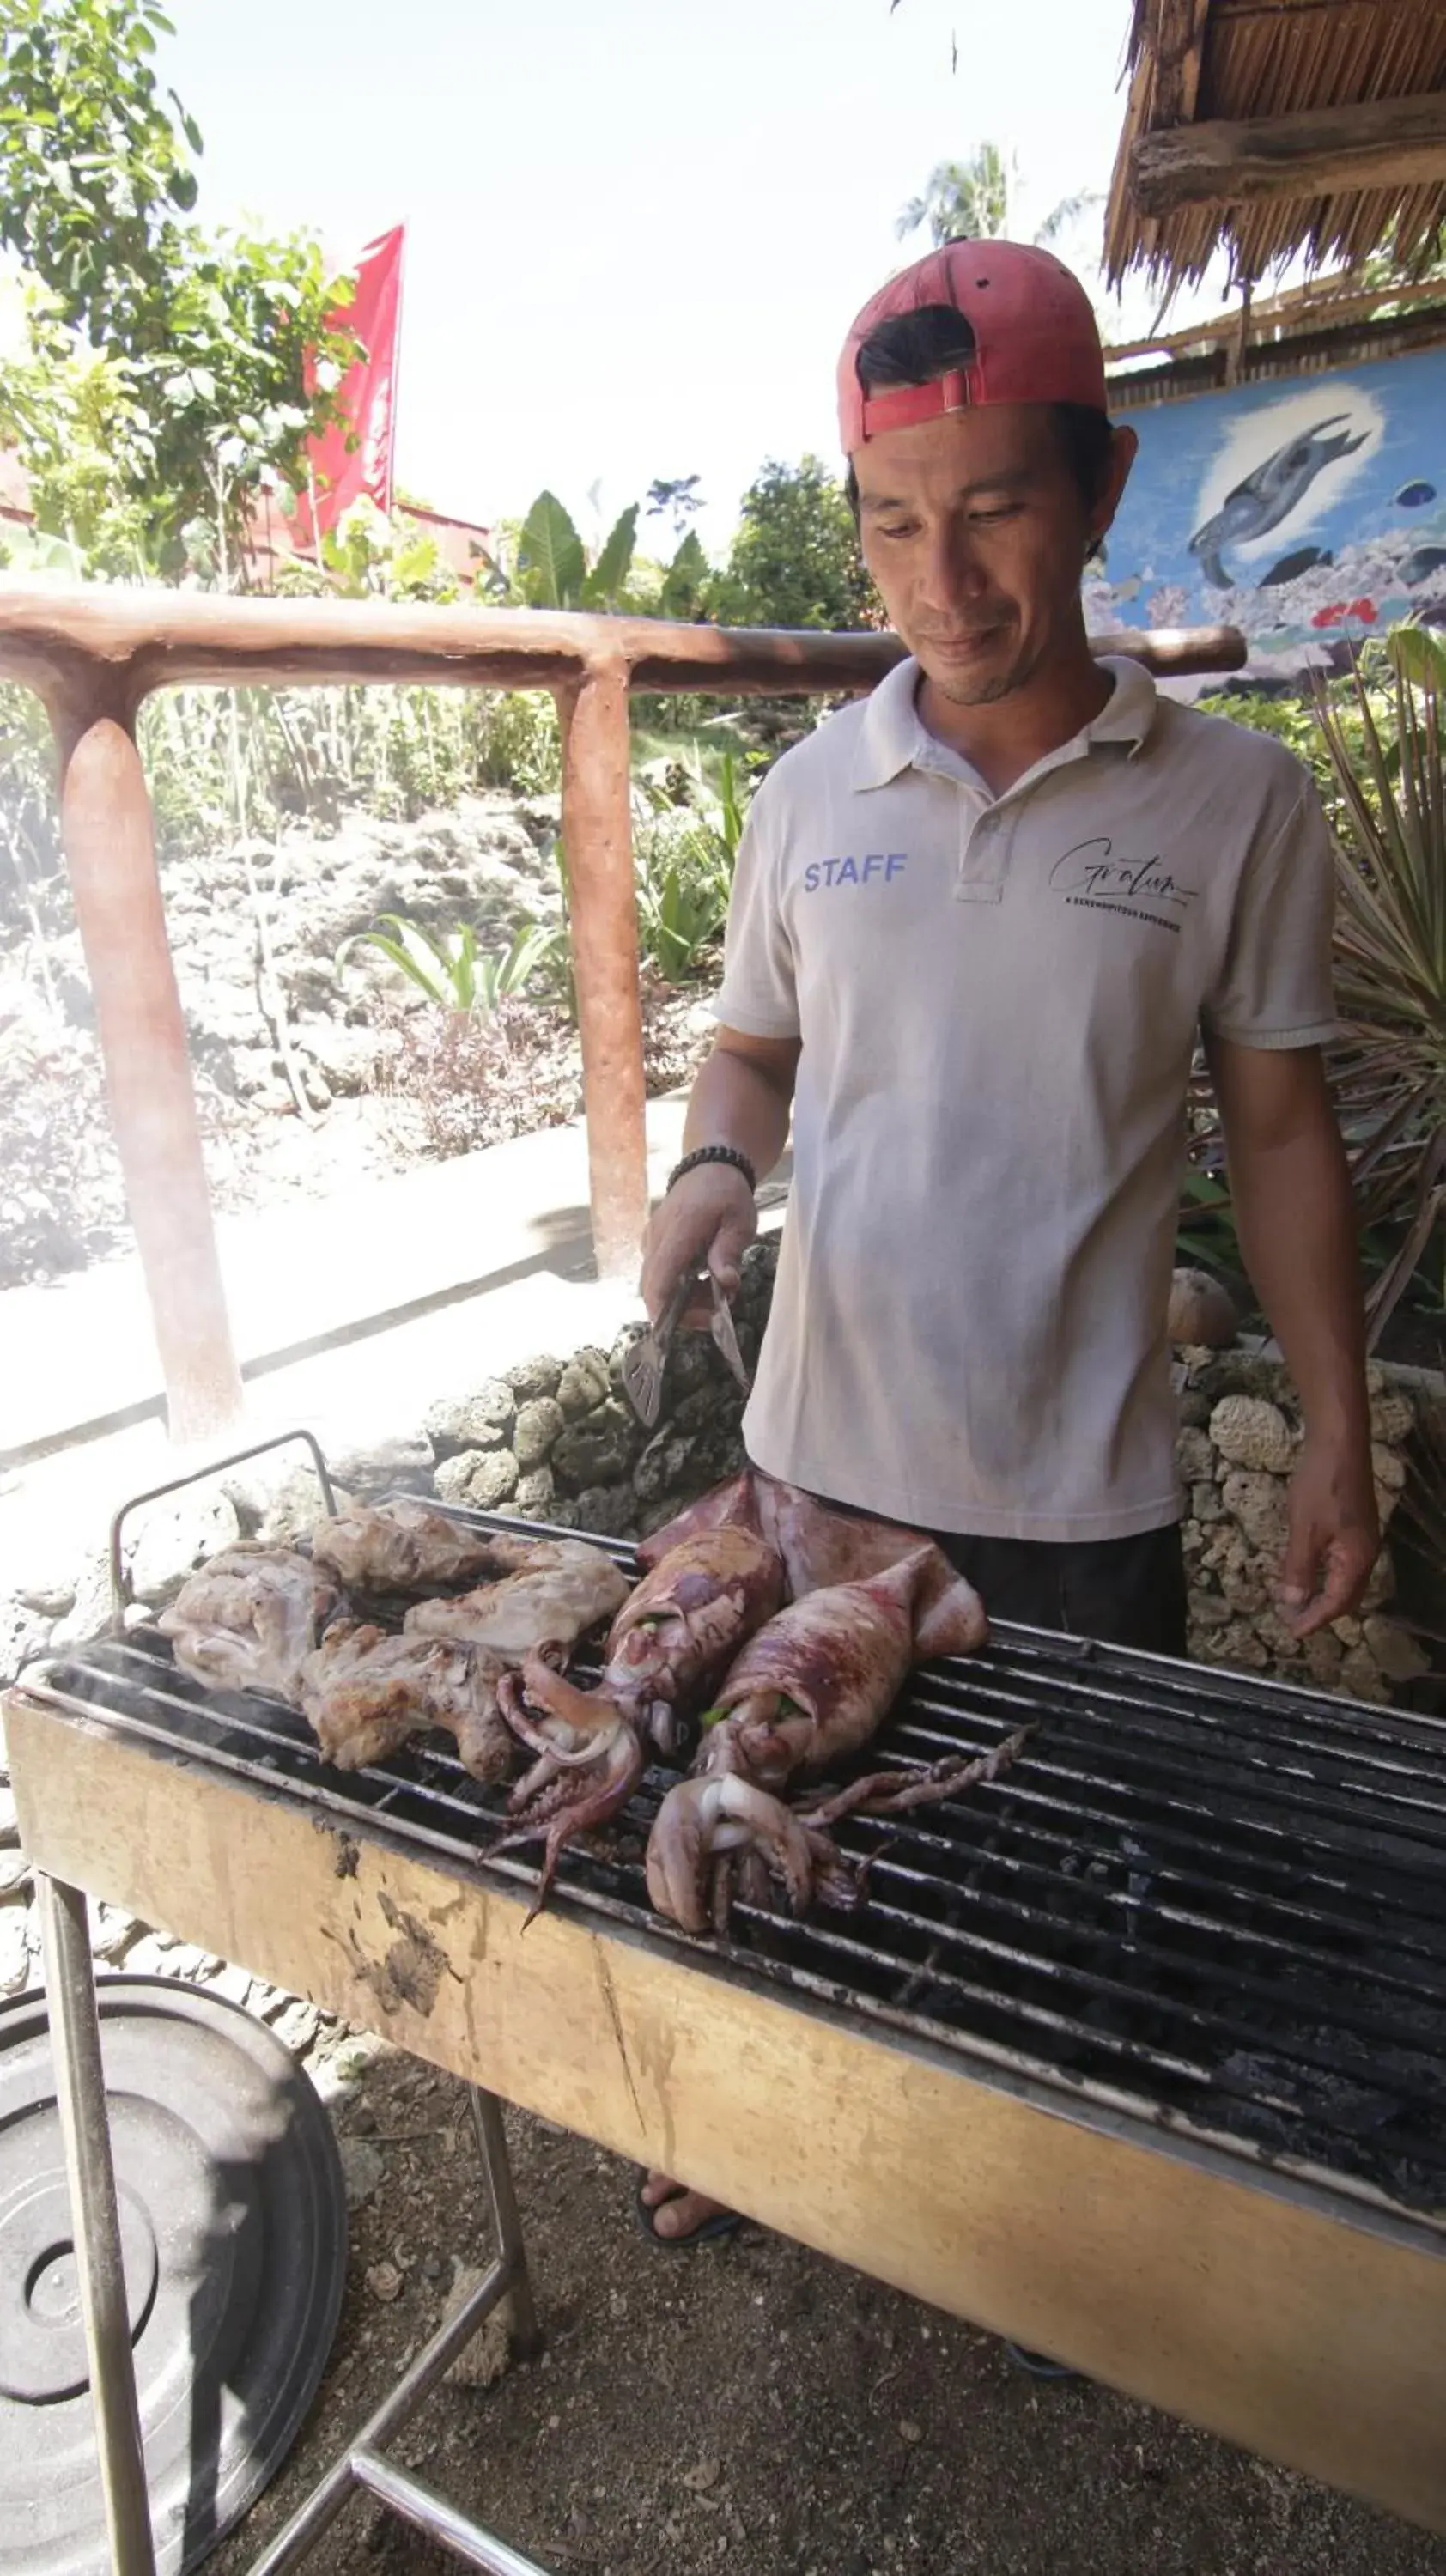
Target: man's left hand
[{"x": 1334, "y": 1535}]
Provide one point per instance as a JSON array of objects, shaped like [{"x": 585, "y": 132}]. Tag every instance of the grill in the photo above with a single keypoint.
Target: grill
[
  {"x": 1213, "y": 1904},
  {"x": 1137, "y": 2054}
]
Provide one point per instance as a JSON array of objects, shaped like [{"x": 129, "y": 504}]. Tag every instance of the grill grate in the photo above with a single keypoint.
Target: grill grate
[{"x": 1215, "y": 1904}]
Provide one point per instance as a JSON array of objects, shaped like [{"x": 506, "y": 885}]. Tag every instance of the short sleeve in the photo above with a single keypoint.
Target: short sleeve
[
  {"x": 1274, "y": 986},
  {"x": 759, "y": 993}
]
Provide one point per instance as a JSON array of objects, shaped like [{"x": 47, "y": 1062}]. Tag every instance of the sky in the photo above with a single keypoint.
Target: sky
[{"x": 636, "y": 229}]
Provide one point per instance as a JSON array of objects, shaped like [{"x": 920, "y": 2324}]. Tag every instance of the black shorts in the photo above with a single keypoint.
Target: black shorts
[{"x": 1125, "y": 1591}]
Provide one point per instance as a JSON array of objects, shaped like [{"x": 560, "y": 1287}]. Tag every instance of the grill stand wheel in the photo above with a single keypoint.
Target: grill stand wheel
[{"x": 100, "y": 2281}]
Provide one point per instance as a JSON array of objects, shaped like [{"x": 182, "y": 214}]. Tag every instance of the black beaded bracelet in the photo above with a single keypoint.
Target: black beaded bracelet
[{"x": 714, "y": 1154}]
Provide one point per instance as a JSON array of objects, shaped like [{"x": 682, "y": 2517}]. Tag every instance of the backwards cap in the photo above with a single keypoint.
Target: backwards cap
[{"x": 1035, "y": 337}]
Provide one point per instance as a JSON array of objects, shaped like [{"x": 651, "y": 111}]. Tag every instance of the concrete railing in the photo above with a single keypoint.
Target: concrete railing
[{"x": 94, "y": 654}]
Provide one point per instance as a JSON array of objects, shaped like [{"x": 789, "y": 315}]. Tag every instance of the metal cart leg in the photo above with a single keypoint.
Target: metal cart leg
[
  {"x": 497, "y": 2166},
  {"x": 363, "y": 2464},
  {"x": 100, "y": 2273}
]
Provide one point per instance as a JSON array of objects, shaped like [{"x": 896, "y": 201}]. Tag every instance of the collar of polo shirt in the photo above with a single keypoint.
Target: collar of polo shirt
[{"x": 893, "y": 732}]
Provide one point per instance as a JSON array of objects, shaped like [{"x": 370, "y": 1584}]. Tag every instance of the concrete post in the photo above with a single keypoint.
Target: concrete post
[
  {"x": 598, "y": 845},
  {"x": 110, "y": 851}
]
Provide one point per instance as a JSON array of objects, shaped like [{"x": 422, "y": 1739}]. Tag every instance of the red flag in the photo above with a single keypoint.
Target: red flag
[{"x": 340, "y": 470}]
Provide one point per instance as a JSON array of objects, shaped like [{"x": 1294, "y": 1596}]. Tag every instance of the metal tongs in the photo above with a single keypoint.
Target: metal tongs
[{"x": 646, "y": 1358}]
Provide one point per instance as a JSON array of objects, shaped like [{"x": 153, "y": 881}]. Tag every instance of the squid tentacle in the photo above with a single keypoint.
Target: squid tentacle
[
  {"x": 599, "y": 1716},
  {"x": 708, "y": 1819},
  {"x": 890, "y": 1793},
  {"x": 545, "y": 1689},
  {"x": 561, "y": 1807}
]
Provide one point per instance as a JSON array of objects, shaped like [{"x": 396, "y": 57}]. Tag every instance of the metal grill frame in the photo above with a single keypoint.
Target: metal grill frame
[
  {"x": 1395, "y": 2481},
  {"x": 962, "y": 1704}
]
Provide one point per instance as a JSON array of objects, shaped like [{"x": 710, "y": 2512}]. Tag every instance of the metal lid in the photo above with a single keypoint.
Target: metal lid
[{"x": 233, "y": 2222}]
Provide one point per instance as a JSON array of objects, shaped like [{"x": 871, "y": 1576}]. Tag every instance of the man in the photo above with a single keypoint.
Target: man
[{"x": 979, "y": 922}]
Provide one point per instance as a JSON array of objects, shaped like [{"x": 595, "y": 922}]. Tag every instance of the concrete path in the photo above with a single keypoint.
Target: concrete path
[
  {"x": 304, "y": 1278},
  {"x": 351, "y": 1314}
]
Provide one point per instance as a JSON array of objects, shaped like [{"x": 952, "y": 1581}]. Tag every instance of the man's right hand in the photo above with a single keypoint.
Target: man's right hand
[{"x": 708, "y": 1220}]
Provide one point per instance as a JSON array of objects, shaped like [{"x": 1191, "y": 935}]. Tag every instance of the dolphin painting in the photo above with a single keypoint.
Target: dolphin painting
[{"x": 1271, "y": 492}]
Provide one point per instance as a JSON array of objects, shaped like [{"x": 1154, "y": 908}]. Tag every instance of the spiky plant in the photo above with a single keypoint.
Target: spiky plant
[{"x": 1390, "y": 950}]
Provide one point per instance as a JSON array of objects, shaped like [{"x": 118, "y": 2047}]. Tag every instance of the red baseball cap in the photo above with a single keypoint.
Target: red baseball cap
[{"x": 1035, "y": 337}]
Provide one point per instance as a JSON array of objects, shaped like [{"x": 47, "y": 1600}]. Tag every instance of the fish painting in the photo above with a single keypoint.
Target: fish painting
[
  {"x": 1421, "y": 564},
  {"x": 1269, "y": 494},
  {"x": 1290, "y": 567}
]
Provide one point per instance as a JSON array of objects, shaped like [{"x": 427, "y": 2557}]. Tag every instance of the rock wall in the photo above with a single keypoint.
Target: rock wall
[{"x": 1240, "y": 1431}]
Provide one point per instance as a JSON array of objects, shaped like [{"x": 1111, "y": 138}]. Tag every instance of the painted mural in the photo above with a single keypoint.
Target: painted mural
[{"x": 1308, "y": 511}]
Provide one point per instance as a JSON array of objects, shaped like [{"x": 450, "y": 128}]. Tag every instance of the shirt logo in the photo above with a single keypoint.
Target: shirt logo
[
  {"x": 1142, "y": 889},
  {"x": 879, "y": 868}
]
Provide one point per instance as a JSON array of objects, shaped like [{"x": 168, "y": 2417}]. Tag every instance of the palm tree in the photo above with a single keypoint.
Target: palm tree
[
  {"x": 968, "y": 199},
  {"x": 972, "y": 201}
]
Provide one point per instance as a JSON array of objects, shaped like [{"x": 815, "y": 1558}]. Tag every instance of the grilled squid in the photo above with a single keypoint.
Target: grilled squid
[
  {"x": 714, "y": 1816},
  {"x": 668, "y": 1647},
  {"x": 818, "y": 1680},
  {"x": 810, "y": 1688},
  {"x": 822, "y": 1544}
]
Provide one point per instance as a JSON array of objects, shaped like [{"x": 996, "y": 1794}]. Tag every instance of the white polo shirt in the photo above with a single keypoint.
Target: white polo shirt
[{"x": 998, "y": 999}]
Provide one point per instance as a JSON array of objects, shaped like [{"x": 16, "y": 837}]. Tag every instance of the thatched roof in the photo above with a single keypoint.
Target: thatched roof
[{"x": 1213, "y": 62}]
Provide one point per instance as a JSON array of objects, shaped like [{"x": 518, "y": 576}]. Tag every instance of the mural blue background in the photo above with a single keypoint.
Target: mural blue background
[{"x": 1317, "y": 505}]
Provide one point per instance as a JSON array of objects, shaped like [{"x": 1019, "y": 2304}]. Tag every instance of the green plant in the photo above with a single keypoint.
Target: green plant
[
  {"x": 964, "y": 197},
  {"x": 681, "y": 912},
  {"x": 733, "y": 806},
  {"x": 168, "y": 368},
  {"x": 551, "y": 569},
  {"x": 1391, "y": 951},
  {"x": 556, "y": 966},
  {"x": 795, "y": 559},
  {"x": 675, "y": 499},
  {"x": 1206, "y": 1231},
  {"x": 975, "y": 200},
  {"x": 685, "y": 862},
  {"x": 1290, "y": 719},
  {"x": 447, "y": 965},
  {"x": 1372, "y": 741}
]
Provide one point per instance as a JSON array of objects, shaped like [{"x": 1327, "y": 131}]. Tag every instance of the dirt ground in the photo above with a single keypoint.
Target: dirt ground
[{"x": 751, "y": 2405}]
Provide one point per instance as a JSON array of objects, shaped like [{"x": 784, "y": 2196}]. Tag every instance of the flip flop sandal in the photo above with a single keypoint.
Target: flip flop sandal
[
  {"x": 1038, "y": 2364},
  {"x": 724, "y": 2222}
]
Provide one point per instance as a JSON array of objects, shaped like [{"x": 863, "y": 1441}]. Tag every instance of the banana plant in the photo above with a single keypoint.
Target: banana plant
[{"x": 552, "y": 565}]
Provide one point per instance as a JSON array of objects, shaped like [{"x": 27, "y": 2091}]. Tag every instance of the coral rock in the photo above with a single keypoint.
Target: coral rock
[
  {"x": 1250, "y": 1432},
  {"x": 1256, "y": 1503},
  {"x": 539, "y": 1427},
  {"x": 1394, "y": 1649}
]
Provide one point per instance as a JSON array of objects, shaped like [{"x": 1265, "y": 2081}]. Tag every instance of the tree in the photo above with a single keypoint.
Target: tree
[
  {"x": 966, "y": 200},
  {"x": 976, "y": 200},
  {"x": 795, "y": 559},
  {"x": 206, "y": 357},
  {"x": 678, "y": 501}
]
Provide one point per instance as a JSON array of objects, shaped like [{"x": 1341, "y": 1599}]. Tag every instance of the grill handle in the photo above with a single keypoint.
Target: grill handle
[{"x": 120, "y": 1582}]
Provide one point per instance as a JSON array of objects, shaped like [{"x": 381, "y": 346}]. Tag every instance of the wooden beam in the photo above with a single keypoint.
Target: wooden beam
[
  {"x": 1324, "y": 302},
  {"x": 1177, "y": 50},
  {"x": 1390, "y": 143},
  {"x": 64, "y": 643}
]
